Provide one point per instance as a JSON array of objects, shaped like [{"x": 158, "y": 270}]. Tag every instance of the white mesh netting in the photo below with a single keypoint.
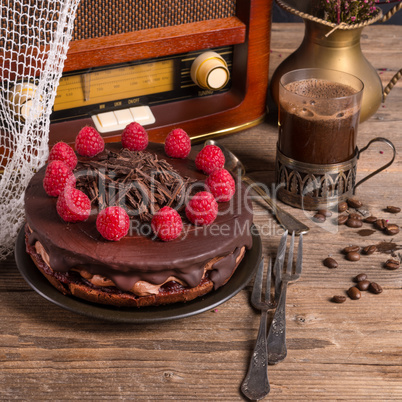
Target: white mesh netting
[{"x": 34, "y": 39}]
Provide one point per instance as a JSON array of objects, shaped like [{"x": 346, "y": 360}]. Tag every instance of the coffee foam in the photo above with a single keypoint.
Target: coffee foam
[{"x": 320, "y": 89}]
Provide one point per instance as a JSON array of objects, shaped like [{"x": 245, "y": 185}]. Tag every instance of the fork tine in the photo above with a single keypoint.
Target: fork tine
[
  {"x": 299, "y": 261},
  {"x": 268, "y": 284},
  {"x": 290, "y": 255},
  {"x": 279, "y": 260},
  {"x": 256, "y": 293}
]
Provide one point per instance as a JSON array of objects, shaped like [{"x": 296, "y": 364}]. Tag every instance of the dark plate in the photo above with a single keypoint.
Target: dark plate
[{"x": 40, "y": 284}]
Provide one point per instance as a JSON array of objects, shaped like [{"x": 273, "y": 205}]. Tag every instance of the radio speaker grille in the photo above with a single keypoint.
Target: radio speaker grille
[{"x": 96, "y": 18}]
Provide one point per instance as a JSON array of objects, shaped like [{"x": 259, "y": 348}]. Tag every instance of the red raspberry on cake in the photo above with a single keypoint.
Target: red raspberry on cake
[
  {"x": 89, "y": 142},
  {"x": 134, "y": 137},
  {"x": 209, "y": 159},
  {"x": 167, "y": 224},
  {"x": 113, "y": 223},
  {"x": 57, "y": 176},
  {"x": 177, "y": 144},
  {"x": 221, "y": 184},
  {"x": 63, "y": 152},
  {"x": 73, "y": 205},
  {"x": 202, "y": 209}
]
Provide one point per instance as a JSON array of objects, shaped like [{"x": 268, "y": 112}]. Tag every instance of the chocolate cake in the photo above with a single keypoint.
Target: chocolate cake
[{"x": 139, "y": 269}]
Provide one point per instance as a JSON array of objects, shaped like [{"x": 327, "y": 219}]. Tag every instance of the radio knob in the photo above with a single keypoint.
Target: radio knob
[
  {"x": 21, "y": 100},
  {"x": 210, "y": 71}
]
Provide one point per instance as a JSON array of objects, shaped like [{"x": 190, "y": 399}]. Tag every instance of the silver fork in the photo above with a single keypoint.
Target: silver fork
[
  {"x": 256, "y": 385},
  {"x": 277, "y": 349}
]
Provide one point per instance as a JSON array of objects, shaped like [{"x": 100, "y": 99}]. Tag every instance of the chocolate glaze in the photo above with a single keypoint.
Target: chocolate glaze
[{"x": 138, "y": 256}]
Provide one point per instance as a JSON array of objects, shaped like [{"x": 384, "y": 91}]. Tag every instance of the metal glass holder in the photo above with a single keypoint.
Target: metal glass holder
[{"x": 311, "y": 186}]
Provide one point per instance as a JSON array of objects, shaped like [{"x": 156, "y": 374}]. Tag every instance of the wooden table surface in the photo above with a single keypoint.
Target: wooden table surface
[{"x": 335, "y": 351}]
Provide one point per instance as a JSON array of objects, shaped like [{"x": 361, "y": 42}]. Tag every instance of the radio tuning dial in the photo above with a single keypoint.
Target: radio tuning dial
[
  {"x": 210, "y": 71},
  {"x": 21, "y": 99}
]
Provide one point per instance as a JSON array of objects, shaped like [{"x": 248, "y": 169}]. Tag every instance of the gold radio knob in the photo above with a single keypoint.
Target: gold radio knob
[
  {"x": 21, "y": 99},
  {"x": 210, "y": 71}
]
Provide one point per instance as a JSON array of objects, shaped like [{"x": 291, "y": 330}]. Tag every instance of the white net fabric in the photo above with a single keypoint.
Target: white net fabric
[{"x": 34, "y": 39}]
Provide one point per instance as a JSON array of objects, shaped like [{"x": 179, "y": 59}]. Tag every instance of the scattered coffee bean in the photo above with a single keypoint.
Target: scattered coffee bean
[
  {"x": 330, "y": 262},
  {"x": 354, "y": 293},
  {"x": 375, "y": 288},
  {"x": 342, "y": 219},
  {"x": 392, "y": 264},
  {"x": 370, "y": 249},
  {"x": 360, "y": 277},
  {"x": 391, "y": 229},
  {"x": 392, "y": 209},
  {"x": 363, "y": 285},
  {"x": 351, "y": 249},
  {"x": 319, "y": 218},
  {"x": 380, "y": 224},
  {"x": 325, "y": 212},
  {"x": 339, "y": 299},
  {"x": 355, "y": 215},
  {"x": 353, "y": 256},
  {"x": 342, "y": 206},
  {"x": 370, "y": 219},
  {"x": 354, "y": 203},
  {"x": 354, "y": 223}
]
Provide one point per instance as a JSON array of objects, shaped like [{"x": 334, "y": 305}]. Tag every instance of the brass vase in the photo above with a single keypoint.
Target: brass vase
[{"x": 338, "y": 50}]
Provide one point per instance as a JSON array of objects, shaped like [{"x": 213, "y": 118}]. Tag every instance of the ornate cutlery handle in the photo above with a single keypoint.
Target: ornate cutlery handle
[
  {"x": 277, "y": 350},
  {"x": 256, "y": 385}
]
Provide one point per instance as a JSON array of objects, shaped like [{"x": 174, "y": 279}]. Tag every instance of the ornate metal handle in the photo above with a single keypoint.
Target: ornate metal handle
[
  {"x": 287, "y": 220},
  {"x": 256, "y": 385},
  {"x": 277, "y": 350},
  {"x": 377, "y": 139}
]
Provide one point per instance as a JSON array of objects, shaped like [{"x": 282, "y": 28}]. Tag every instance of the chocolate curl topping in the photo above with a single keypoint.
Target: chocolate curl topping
[{"x": 137, "y": 181}]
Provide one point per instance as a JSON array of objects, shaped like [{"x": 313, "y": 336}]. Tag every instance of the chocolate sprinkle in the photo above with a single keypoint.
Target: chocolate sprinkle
[{"x": 137, "y": 181}]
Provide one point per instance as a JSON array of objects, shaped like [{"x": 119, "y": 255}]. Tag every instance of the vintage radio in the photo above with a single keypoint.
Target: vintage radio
[{"x": 201, "y": 65}]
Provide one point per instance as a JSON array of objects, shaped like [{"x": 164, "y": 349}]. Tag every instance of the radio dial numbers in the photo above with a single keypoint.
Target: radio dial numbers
[{"x": 210, "y": 71}]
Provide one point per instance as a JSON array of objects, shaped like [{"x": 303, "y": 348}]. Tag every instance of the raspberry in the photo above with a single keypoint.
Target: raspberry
[
  {"x": 113, "y": 223},
  {"x": 202, "y": 209},
  {"x": 134, "y": 137},
  {"x": 177, "y": 144},
  {"x": 210, "y": 158},
  {"x": 167, "y": 224},
  {"x": 63, "y": 152},
  {"x": 73, "y": 205},
  {"x": 57, "y": 176},
  {"x": 89, "y": 142},
  {"x": 221, "y": 184}
]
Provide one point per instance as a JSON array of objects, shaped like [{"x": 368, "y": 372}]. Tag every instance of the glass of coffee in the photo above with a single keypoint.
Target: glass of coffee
[
  {"x": 316, "y": 159},
  {"x": 319, "y": 114}
]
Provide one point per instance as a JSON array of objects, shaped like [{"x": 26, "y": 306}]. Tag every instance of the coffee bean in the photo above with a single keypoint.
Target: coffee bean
[
  {"x": 375, "y": 288},
  {"x": 370, "y": 249},
  {"x": 354, "y": 293},
  {"x": 339, "y": 299},
  {"x": 351, "y": 249},
  {"x": 391, "y": 229},
  {"x": 392, "y": 264},
  {"x": 392, "y": 209},
  {"x": 342, "y": 206},
  {"x": 370, "y": 219},
  {"x": 353, "y": 256},
  {"x": 330, "y": 262},
  {"x": 363, "y": 285},
  {"x": 360, "y": 277},
  {"x": 354, "y": 203},
  {"x": 325, "y": 212},
  {"x": 354, "y": 223},
  {"x": 380, "y": 224},
  {"x": 319, "y": 218},
  {"x": 342, "y": 219},
  {"x": 355, "y": 215}
]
